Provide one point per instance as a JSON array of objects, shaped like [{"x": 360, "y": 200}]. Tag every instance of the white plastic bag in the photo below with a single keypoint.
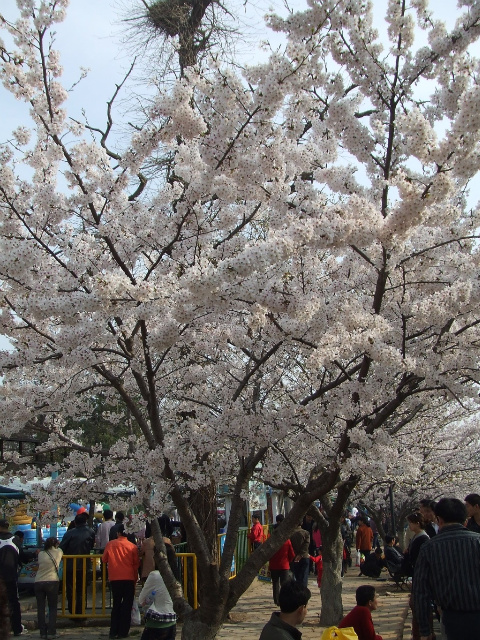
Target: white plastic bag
[{"x": 135, "y": 619}]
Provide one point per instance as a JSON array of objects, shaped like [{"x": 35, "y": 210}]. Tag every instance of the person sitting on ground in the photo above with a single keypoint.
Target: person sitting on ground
[
  {"x": 293, "y": 599},
  {"x": 360, "y": 617},
  {"x": 393, "y": 556},
  {"x": 373, "y": 564}
]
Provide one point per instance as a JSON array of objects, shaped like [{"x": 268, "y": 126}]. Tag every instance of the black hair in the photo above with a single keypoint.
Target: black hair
[
  {"x": 279, "y": 518},
  {"x": 416, "y": 518},
  {"x": 166, "y": 526},
  {"x": 107, "y": 514},
  {"x": 119, "y": 516},
  {"x": 389, "y": 539},
  {"x": 364, "y": 594},
  {"x": 81, "y": 518},
  {"x": 451, "y": 510},
  {"x": 19, "y": 534},
  {"x": 429, "y": 504},
  {"x": 50, "y": 542},
  {"x": 293, "y": 595},
  {"x": 4, "y": 524},
  {"x": 473, "y": 499},
  {"x": 121, "y": 530},
  {"x": 378, "y": 550}
]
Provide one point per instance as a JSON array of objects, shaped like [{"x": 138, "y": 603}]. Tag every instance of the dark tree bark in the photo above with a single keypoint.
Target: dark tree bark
[{"x": 332, "y": 552}]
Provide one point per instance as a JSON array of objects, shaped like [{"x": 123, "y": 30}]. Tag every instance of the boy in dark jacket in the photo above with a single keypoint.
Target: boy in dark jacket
[{"x": 293, "y": 600}]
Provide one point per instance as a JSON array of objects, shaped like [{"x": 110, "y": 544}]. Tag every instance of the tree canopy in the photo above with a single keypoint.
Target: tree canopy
[{"x": 294, "y": 289}]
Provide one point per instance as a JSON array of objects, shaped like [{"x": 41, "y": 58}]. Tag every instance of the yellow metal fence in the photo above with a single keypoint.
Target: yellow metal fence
[{"x": 85, "y": 580}]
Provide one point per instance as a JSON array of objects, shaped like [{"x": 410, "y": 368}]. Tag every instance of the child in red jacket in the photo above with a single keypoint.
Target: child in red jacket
[{"x": 318, "y": 560}]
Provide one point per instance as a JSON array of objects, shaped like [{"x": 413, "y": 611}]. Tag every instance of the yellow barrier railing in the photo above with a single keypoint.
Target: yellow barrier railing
[
  {"x": 77, "y": 571},
  {"x": 183, "y": 557},
  {"x": 75, "y": 583}
]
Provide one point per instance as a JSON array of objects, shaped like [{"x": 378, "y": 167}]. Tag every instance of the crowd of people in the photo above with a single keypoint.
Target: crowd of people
[
  {"x": 127, "y": 559},
  {"x": 441, "y": 560},
  {"x": 441, "y": 557}
]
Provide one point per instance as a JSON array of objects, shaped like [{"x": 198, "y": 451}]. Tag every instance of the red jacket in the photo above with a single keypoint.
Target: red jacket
[
  {"x": 122, "y": 559},
  {"x": 256, "y": 534},
  {"x": 282, "y": 558},
  {"x": 318, "y": 560},
  {"x": 360, "y": 618}
]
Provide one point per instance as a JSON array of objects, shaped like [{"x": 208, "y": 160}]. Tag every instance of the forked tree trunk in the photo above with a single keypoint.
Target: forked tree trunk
[{"x": 331, "y": 589}]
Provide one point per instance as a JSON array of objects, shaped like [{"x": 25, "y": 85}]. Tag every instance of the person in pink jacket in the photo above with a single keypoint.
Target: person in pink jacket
[{"x": 123, "y": 561}]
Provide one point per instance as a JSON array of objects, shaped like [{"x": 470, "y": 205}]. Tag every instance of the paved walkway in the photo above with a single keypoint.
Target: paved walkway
[{"x": 254, "y": 610}]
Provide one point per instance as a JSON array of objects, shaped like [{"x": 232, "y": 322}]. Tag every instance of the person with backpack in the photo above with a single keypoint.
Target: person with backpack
[{"x": 9, "y": 563}]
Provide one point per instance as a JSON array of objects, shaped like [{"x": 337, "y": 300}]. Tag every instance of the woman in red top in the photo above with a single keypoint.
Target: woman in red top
[{"x": 280, "y": 567}]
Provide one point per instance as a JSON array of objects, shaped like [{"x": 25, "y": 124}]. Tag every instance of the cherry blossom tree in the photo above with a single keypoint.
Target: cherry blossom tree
[
  {"x": 257, "y": 309},
  {"x": 437, "y": 456}
]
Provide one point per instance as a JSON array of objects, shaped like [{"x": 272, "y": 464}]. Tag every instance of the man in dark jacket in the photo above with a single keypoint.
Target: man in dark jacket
[
  {"x": 78, "y": 541},
  {"x": 300, "y": 540},
  {"x": 446, "y": 572},
  {"x": 293, "y": 599},
  {"x": 9, "y": 562}
]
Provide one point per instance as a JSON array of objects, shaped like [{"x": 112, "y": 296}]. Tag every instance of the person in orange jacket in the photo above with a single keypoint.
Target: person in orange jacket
[
  {"x": 123, "y": 561},
  {"x": 364, "y": 538}
]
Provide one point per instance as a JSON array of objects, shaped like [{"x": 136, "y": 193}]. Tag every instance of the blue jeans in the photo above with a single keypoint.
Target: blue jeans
[
  {"x": 47, "y": 592},
  {"x": 301, "y": 569}
]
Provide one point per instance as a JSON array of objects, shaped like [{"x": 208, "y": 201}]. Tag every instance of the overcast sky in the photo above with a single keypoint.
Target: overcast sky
[{"x": 91, "y": 37}]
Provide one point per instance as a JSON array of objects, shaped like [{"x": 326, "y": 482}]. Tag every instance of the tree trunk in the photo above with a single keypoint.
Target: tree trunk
[
  {"x": 203, "y": 503},
  {"x": 331, "y": 589},
  {"x": 194, "y": 629}
]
